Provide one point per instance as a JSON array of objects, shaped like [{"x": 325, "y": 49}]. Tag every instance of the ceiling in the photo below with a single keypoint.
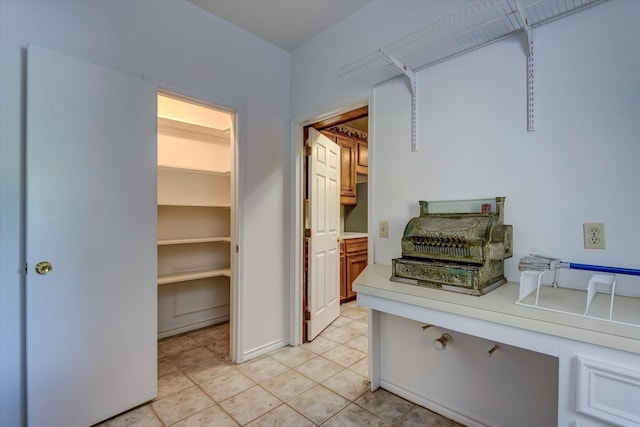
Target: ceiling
[{"x": 284, "y": 23}]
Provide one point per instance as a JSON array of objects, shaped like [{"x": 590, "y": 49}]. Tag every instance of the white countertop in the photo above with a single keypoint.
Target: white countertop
[{"x": 499, "y": 306}]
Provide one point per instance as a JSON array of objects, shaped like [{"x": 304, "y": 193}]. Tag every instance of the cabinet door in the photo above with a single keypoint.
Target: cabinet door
[
  {"x": 347, "y": 171},
  {"x": 362, "y": 154},
  {"x": 355, "y": 262},
  {"x": 355, "y": 265},
  {"x": 343, "y": 273}
]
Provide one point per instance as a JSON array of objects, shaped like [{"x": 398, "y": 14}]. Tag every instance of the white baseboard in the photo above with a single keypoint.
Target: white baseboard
[
  {"x": 432, "y": 406},
  {"x": 266, "y": 348},
  {"x": 193, "y": 326}
]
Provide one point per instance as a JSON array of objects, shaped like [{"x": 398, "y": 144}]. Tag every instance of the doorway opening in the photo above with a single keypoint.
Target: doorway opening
[
  {"x": 350, "y": 132},
  {"x": 197, "y": 262}
]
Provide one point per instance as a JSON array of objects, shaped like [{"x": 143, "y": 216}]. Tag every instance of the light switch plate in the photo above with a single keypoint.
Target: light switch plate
[{"x": 383, "y": 229}]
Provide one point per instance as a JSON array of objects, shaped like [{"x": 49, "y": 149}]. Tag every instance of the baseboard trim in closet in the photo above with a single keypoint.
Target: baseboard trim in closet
[{"x": 193, "y": 326}]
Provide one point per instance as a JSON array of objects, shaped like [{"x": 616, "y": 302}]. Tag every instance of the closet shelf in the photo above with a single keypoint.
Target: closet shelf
[
  {"x": 193, "y": 205},
  {"x": 171, "y": 123},
  {"x": 194, "y": 275},
  {"x": 479, "y": 24},
  {"x": 194, "y": 240},
  {"x": 190, "y": 170}
]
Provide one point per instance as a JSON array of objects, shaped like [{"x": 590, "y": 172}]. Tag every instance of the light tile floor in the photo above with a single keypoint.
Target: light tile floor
[{"x": 321, "y": 383}]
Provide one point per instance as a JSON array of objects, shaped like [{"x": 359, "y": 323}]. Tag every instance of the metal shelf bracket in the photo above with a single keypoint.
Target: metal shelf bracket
[
  {"x": 409, "y": 74},
  {"x": 530, "y": 68},
  {"x": 479, "y": 23}
]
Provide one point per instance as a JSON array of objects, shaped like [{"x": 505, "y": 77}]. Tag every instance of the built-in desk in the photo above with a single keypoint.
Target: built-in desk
[{"x": 595, "y": 363}]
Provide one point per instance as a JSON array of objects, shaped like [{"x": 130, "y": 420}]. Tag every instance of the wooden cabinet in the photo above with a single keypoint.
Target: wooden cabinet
[
  {"x": 348, "y": 159},
  {"x": 194, "y": 225},
  {"x": 353, "y": 260},
  {"x": 362, "y": 158},
  {"x": 354, "y": 160},
  {"x": 348, "y": 154},
  {"x": 343, "y": 274}
]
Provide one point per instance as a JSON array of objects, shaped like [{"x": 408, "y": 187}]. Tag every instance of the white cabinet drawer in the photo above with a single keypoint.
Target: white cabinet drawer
[{"x": 608, "y": 392}]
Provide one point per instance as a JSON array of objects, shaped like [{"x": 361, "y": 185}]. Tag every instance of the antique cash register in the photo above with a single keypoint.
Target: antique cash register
[{"x": 458, "y": 246}]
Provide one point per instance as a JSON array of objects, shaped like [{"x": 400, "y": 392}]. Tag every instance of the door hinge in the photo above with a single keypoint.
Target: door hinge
[
  {"x": 307, "y": 315},
  {"x": 26, "y": 269},
  {"x": 307, "y": 150},
  {"x": 237, "y": 249},
  {"x": 307, "y": 232}
]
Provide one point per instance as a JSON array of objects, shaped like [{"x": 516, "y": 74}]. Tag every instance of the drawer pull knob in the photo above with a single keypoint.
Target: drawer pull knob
[{"x": 441, "y": 343}]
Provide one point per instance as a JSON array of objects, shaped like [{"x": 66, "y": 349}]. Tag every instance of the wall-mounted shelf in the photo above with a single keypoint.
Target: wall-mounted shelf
[
  {"x": 191, "y": 170},
  {"x": 195, "y": 240},
  {"x": 477, "y": 25},
  {"x": 192, "y": 187},
  {"x": 168, "y": 124},
  {"x": 201, "y": 274},
  {"x": 196, "y": 205}
]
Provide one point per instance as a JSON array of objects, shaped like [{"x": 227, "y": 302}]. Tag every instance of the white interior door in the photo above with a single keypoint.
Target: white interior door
[
  {"x": 91, "y": 212},
  {"x": 324, "y": 248}
]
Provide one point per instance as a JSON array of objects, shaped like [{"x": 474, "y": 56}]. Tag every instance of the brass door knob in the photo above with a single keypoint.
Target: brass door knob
[{"x": 43, "y": 267}]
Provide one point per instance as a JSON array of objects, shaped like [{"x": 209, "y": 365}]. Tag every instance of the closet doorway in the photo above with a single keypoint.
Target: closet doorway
[{"x": 197, "y": 242}]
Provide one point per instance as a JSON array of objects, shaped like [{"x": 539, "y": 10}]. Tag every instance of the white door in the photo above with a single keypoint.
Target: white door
[
  {"x": 91, "y": 213},
  {"x": 324, "y": 248}
]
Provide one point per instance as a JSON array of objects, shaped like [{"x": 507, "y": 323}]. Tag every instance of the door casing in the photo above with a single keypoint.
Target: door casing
[
  {"x": 236, "y": 314},
  {"x": 296, "y": 236}
]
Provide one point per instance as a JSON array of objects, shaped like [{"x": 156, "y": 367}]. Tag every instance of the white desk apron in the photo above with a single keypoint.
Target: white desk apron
[{"x": 576, "y": 341}]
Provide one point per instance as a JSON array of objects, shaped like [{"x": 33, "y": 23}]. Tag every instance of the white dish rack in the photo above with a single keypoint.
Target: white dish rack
[{"x": 597, "y": 301}]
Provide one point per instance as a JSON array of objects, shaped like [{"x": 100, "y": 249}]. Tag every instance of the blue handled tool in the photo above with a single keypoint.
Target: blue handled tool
[{"x": 536, "y": 262}]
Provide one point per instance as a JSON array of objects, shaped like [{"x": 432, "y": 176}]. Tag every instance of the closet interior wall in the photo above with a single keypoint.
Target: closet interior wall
[{"x": 194, "y": 207}]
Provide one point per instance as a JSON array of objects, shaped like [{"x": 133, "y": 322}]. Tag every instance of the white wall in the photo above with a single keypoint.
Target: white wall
[
  {"x": 186, "y": 50},
  {"x": 316, "y": 87},
  {"x": 580, "y": 165}
]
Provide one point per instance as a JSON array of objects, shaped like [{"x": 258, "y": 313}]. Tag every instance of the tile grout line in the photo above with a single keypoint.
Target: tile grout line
[
  {"x": 270, "y": 356},
  {"x": 204, "y": 339}
]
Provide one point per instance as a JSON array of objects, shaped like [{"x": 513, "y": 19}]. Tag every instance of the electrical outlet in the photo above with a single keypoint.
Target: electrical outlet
[
  {"x": 593, "y": 235},
  {"x": 383, "y": 229}
]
